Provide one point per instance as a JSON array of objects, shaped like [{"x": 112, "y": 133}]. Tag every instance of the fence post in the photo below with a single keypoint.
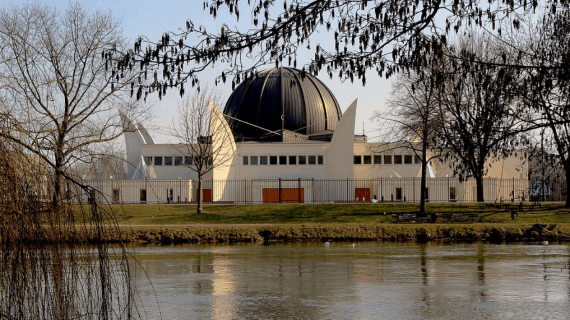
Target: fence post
[
  {"x": 347, "y": 194},
  {"x": 513, "y": 200},
  {"x": 414, "y": 188},
  {"x": 299, "y": 189},
  {"x": 381, "y": 190},
  {"x": 280, "y": 188},
  {"x": 313, "y": 190}
]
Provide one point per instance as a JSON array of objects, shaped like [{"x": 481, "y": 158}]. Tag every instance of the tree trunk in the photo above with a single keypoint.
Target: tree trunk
[
  {"x": 567, "y": 203},
  {"x": 423, "y": 183},
  {"x": 58, "y": 175},
  {"x": 480, "y": 196},
  {"x": 200, "y": 193},
  {"x": 57, "y": 187}
]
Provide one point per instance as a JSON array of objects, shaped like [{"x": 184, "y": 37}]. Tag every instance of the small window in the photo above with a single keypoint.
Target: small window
[
  {"x": 178, "y": 161},
  {"x": 452, "y": 194},
  {"x": 398, "y": 159},
  {"x": 398, "y": 194},
  {"x": 302, "y": 159},
  {"x": 357, "y": 160},
  {"x": 321, "y": 160},
  {"x": 148, "y": 161},
  {"x": 142, "y": 195},
  {"x": 188, "y": 161},
  {"x": 273, "y": 160},
  {"x": 263, "y": 160},
  {"x": 245, "y": 160},
  {"x": 387, "y": 159},
  {"x": 418, "y": 159},
  {"x": 292, "y": 160},
  {"x": 167, "y": 161},
  {"x": 157, "y": 161},
  {"x": 253, "y": 160},
  {"x": 282, "y": 160},
  {"x": 367, "y": 159},
  {"x": 408, "y": 159},
  {"x": 377, "y": 159},
  {"x": 312, "y": 160}
]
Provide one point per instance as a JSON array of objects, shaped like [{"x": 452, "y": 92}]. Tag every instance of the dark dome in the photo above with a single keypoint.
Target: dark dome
[{"x": 307, "y": 105}]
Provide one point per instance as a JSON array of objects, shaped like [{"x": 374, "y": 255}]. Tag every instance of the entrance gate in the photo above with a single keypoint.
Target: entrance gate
[{"x": 362, "y": 194}]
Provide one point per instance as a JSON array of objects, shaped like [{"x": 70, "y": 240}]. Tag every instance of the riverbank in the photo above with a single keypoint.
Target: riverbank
[
  {"x": 332, "y": 222},
  {"x": 348, "y": 222},
  {"x": 497, "y": 232}
]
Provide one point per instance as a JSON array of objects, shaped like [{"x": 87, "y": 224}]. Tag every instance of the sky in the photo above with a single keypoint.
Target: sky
[{"x": 153, "y": 18}]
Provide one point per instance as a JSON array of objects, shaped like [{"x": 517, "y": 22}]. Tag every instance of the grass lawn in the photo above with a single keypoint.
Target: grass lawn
[{"x": 147, "y": 214}]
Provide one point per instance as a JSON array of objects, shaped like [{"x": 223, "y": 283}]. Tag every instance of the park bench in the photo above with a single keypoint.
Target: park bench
[
  {"x": 409, "y": 217},
  {"x": 458, "y": 217}
]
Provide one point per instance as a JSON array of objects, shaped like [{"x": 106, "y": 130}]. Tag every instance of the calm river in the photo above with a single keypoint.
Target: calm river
[{"x": 366, "y": 281}]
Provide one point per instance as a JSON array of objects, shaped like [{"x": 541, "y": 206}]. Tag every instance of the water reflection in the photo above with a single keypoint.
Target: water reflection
[{"x": 368, "y": 281}]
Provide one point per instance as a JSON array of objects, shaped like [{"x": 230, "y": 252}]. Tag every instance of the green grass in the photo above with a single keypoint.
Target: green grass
[{"x": 321, "y": 213}]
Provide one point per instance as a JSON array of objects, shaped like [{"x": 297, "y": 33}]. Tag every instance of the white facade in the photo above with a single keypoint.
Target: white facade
[{"x": 344, "y": 169}]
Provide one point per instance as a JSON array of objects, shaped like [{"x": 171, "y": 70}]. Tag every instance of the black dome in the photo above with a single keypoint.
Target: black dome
[{"x": 307, "y": 105}]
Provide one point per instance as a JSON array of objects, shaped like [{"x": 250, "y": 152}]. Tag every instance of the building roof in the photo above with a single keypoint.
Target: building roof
[{"x": 281, "y": 98}]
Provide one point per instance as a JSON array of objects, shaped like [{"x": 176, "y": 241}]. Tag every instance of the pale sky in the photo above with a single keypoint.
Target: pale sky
[{"x": 153, "y": 18}]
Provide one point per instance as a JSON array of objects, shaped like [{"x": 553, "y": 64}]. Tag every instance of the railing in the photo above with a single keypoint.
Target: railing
[{"x": 321, "y": 191}]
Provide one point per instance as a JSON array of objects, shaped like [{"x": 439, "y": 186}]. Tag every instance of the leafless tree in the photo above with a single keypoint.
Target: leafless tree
[
  {"x": 205, "y": 136},
  {"x": 480, "y": 109},
  {"x": 58, "y": 95},
  {"x": 107, "y": 162},
  {"x": 413, "y": 120}
]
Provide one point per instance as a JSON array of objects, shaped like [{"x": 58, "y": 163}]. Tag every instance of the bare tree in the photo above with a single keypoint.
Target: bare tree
[
  {"x": 107, "y": 163},
  {"x": 206, "y": 139},
  {"x": 58, "y": 95},
  {"x": 479, "y": 107},
  {"x": 545, "y": 92},
  {"x": 413, "y": 120}
]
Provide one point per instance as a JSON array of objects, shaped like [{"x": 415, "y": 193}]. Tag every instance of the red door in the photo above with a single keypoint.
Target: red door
[
  {"x": 290, "y": 195},
  {"x": 206, "y": 193},
  {"x": 362, "y": 194},
  {"x": 270, "y": 195}
]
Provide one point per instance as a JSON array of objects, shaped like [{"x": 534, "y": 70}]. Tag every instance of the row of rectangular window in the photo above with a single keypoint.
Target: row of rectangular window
[
  {"x": 168, "y": 161},
  {"x": 398, "y": 159},
  {"x": 282, "y": 160}
]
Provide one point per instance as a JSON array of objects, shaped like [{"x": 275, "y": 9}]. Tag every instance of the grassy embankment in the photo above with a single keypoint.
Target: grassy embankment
[{"x": 346, "y": 222}]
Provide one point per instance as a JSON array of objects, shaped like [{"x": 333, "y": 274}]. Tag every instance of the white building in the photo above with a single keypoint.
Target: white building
[{"x": 293, "y": 144}]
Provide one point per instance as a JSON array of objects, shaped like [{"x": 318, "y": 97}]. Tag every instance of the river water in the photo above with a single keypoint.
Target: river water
[{"x": 372, "y": 280}]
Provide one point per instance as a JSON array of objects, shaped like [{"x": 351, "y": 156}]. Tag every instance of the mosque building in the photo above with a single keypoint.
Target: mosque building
[{"x": 288, "y": 137}]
